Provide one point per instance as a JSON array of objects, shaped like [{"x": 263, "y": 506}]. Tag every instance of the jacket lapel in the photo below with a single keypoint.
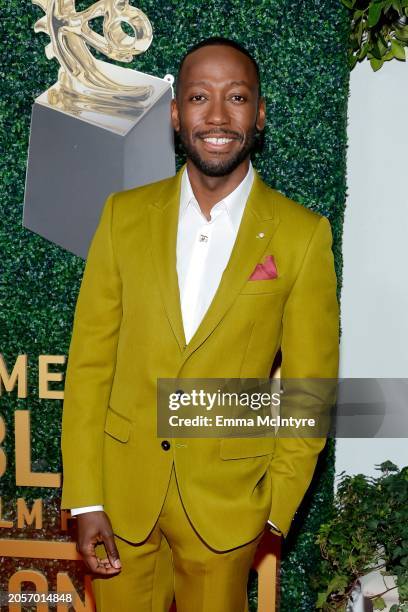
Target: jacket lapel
[{"x": 163, "y": 215}]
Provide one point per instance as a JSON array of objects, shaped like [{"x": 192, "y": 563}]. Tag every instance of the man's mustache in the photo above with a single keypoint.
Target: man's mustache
[{"x": 218, "y": 132}]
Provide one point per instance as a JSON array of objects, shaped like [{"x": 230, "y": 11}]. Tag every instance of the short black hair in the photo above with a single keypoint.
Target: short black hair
[{"x": 225, "y": 42}]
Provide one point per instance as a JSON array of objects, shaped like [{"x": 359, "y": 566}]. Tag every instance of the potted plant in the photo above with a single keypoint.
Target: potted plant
[
  {"x": 368, "y": 531},
  {"x": 379, "y": 31}
]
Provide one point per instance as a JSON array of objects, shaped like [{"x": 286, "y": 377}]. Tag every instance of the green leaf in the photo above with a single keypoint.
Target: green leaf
[
  {"x": 337, "y": 583},
  {"x": 372, "y": 524},
  {"x": 379, "y": 603},
  {"x": 374, "y": 14},
  {"x": 402, "y": 34},
  {"x": 360, "y": 32},
  {"x": 321, "y": 600},
  {"x": 387, "y": 466},
  {"x": 388, "y": 56},
  {"x": 398, "y": 50},
  {"x": 396, "y": 552},
  {"x": 376, "y": 63}
]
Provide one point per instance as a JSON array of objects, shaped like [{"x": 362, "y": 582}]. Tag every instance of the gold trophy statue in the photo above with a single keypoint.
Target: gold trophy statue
[
  {"x": 83, "y": 81},
  {"x": 100, "y": 127}
]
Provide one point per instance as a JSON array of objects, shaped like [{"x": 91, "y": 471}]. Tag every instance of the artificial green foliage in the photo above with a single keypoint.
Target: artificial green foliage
[
  {"x": 379, "y": 31},
  {"x": 302, "y": 51},
  {"x": 369, "y": 530}
]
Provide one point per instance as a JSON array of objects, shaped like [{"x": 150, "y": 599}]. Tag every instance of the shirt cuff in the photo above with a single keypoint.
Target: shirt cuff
[
  {"x": 274, "y": 526},
  {"x": 75, "y": 511}
]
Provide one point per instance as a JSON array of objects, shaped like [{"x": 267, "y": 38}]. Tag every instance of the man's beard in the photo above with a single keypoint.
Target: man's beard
[{"x": 221, "y": 167}]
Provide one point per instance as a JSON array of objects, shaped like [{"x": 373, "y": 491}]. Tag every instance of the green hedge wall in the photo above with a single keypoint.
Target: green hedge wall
[{"x": 302, "y": 51}]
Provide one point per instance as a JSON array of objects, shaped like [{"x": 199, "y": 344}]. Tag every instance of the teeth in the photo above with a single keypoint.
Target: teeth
[{"x": 218, "y": 141}]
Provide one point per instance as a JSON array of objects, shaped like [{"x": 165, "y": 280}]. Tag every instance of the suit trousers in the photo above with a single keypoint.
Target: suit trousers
[{"x": 174, "y": 561}]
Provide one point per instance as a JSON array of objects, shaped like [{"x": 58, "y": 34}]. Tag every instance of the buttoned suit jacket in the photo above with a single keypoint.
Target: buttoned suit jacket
[{"x": 128, "y": 332}]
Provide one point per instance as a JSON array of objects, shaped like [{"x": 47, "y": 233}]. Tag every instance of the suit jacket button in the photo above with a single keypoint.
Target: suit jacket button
[{"x": 165, "y": 445}]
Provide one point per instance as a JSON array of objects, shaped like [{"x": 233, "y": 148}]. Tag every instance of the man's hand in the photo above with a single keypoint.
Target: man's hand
[{"x": 95, "y": 528}]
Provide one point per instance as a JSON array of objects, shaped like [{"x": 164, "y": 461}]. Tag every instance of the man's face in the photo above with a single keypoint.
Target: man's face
[{"x": 217, "y": 112}]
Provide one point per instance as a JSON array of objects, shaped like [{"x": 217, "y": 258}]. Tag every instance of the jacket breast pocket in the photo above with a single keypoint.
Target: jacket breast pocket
[
  {"x": 241, "y": 448},
  {"x": 117, "y": 426}
]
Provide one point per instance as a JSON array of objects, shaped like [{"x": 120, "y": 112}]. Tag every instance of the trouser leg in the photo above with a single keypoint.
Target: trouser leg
[
  {"x": 146, "y": 581},
  {"x": 205, "y": 580}
]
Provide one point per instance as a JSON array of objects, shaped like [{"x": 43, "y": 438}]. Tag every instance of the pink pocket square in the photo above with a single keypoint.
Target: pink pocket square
[{"x": 266, "y": 270}]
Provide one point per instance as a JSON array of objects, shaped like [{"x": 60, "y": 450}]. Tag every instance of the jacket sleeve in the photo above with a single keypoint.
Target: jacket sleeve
[
  {"x": 310, "y": 351},
  {"x": 90, "y": 370}
]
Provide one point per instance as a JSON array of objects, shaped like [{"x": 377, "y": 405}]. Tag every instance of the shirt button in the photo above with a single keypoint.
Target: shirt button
[{"x": 165, "y": 445}]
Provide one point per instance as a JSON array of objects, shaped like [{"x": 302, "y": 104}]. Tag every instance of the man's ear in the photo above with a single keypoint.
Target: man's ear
[
  {"x": 261, "y": 114},
  {"x": 175, "y": 115}
]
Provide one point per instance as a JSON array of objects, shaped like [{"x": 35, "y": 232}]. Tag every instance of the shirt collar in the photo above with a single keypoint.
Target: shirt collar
[{"x": 234, "y": 202}]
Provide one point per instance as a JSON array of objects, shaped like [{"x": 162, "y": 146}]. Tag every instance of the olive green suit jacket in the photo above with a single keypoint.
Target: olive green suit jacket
[{"x": 128, "y": 332}]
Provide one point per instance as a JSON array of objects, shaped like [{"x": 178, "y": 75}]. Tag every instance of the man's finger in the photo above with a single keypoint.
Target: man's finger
[
  {"x": 107, "y": 564},
  {"x": 98, "y": 566},
  {"x": 111, "y": 550},
  {"x": 90, "y": 559},
  {"x": 105, "y": 568}
]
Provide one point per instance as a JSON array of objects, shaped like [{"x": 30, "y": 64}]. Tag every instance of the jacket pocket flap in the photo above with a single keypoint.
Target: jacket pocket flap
[
  {"x": 117, "y": 426},
  {"x": 237, "y": 448},
  {"x": 272, "y": 285}
]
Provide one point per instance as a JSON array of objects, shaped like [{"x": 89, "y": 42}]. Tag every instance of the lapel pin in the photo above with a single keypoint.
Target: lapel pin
[{"x": 260, "y": 235}]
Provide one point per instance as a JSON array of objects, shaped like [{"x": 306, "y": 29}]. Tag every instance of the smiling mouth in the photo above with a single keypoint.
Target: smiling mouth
[{"x": 218, "y": 141}]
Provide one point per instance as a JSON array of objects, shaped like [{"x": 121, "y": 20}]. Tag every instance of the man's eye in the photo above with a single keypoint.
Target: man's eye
[
  {"x": 197, "y": 98},
  {"x": 237, "y": 98}
]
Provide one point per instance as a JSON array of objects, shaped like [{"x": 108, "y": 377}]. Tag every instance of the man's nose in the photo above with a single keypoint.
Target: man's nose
[{"x": 217, "y": 112}]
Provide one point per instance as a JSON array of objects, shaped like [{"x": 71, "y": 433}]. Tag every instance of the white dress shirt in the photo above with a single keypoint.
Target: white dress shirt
[{"x": 203, "y": 250}]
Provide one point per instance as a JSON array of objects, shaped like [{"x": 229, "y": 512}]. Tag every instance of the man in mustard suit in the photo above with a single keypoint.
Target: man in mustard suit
[{"x": 204, "y": 275}]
